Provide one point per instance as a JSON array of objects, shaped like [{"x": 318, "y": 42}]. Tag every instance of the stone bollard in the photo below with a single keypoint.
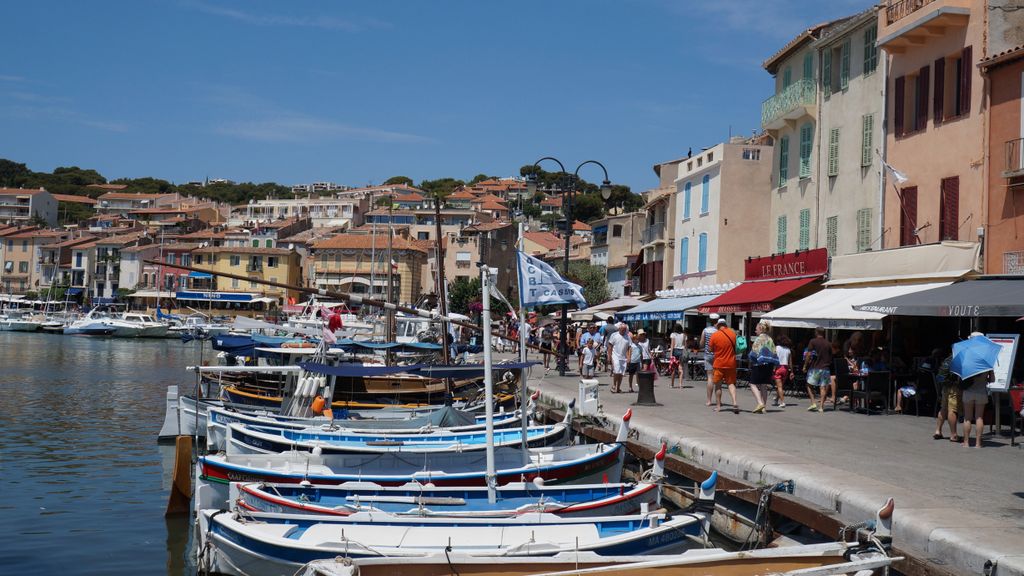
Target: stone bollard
[{"x": 645, "y": 385}]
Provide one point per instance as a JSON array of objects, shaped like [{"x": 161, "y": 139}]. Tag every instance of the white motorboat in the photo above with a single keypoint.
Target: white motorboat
[
  {"x": 99, "y": 322},
  {"x": 150, "y": 327},
  {"x": 16, "y": 321}
]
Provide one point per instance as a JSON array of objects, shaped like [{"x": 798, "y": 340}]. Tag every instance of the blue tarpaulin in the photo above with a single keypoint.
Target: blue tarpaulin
[
  {"x": 467, "y": 370},
  {"x": 351, "y": 345},
  {"x": 195, "y": 274}
]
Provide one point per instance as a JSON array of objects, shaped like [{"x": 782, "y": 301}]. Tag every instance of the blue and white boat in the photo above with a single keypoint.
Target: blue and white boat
[{"x": 99, "y": 322}]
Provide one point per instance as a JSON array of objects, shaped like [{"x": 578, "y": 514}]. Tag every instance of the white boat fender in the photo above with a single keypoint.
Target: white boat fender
[
  {"x": 658, "y": 472},
  {"x": 623, "y": 434},
  {"x": 883, "y": 519},
  {"x": 538, "y": 482}
]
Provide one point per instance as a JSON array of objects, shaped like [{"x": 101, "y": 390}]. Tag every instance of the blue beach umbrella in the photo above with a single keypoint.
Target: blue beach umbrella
[{"x": 973, "y": 356}]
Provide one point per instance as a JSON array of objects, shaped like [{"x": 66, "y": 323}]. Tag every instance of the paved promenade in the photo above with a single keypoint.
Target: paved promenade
[{"x": 958, "y": 507}]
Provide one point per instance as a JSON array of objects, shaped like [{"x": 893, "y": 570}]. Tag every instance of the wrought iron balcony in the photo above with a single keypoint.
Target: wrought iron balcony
[
  {"x": 792, "y": 103},
  {"x": 897, "y": 9}
]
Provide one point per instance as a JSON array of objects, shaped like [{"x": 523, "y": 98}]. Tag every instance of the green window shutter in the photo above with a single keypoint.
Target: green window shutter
[
  {"x": 809, "y": 65},
  {"x": 831, "y": 234},
  {"x": 806, "y": 144},
  {"x": 844, "y": 68},
  {"x": 805, "y": 229},
  {"x": 783, "y": 160},
  {"x": 870, "y": 51},
  {"x": 867, "y": 137},
  {"x": 833, "y": 152},
  {"x": 787, "y": 77},
  {"x": 780, "y": 245},
  {"x": 863, "y": 229},
  {"x": 826, "y": 71}
]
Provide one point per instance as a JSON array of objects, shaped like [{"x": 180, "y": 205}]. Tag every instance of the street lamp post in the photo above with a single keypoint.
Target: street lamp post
[{"x": 567, "y": 187}]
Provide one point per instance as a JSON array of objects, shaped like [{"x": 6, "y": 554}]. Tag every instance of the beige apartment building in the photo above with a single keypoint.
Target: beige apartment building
[
  {"x": 21, "y": 205},
  {"x": 353, "y": 263},
  {"x": 848, "y": 212},
  {"x": 655, "y": 265},
  {"x": 21, "y": 255},
  {"x": 615, "y": 239},
  {"x": 934, "y": 98},
  {"x": 720, "y": 217}
]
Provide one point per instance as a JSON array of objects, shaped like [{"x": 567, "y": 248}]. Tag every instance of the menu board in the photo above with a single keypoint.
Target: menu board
[{"x": 1004, "y": 364}]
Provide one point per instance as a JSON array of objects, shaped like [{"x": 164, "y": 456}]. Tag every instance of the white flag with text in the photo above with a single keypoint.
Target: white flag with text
[{"x": 539, "y": 284}]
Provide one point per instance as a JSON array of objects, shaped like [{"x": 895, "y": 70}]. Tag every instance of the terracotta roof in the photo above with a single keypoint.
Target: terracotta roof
[
  {"x": 546, "y": 239},
  {"x": 120, "y": 239},
  {"x": 489, "y": 198},
  {"x": 141, "y": 248},
  {"x": 108, "y": 186},
  {"x": 21, "y": 191},
  {"x": 34, "y": 234},
  {"x": 552, "y": 201},
  {"x": 74, "y": 198},
  {"x": 1002, "y": 57},
  {"x": 203, "y": 235},
  {"x": 461, "y": 194},
  {"x": 311, "y": 235},
  {"x": 132, "y": 196},
  {"x": 75, "y": 241},
  {"x": 181, "y": 210},
  {"x": 583, "y": 226},
  {"x": 487, "y": 226},
  {"x": 365, "y": 242},
  {"x": 243, "y": 250},
  {"x": 809, "y": 34},
  {"x": 410, "y": 197},
  {"x": 489, "y": 205}
]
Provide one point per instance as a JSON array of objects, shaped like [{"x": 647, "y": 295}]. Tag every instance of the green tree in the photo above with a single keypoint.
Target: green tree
[
  {"x": 13, "y": 174},
  {"x": 441, "y": 188},
  {"x": 463, "y": 292},
  {"x": 398, "y": 181},
  {"x": 532, "y": 209},
  {"x": 550, "y": 220},
  {"x": 123, "y": 294},
  {"x": 593, "y": 279},
  {"x": 587, "y": 207},
  {"x": 480, "y": 178}
]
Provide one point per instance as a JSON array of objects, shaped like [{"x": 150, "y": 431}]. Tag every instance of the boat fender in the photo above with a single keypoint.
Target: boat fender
[
  {"x": 707, "y": 487},
  {"x": 538, "y": 482},
  {"x": 318, "y": 405},
  {"x": 659, "y": 463},
  {"x": 624, "y": 427}
]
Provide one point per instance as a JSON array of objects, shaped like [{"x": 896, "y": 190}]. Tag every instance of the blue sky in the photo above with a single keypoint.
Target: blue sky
[{"x": 356, "y": 92}]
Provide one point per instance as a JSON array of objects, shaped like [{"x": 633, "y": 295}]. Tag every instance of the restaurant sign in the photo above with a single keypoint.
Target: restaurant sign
[{"x": 791, "y": 265}]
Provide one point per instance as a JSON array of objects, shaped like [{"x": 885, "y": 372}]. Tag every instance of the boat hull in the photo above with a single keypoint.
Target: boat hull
[{"x": 18, "y": 326}]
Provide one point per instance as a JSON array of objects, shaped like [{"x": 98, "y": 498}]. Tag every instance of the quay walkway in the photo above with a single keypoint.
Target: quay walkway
[{"x": 957, "y": 508}]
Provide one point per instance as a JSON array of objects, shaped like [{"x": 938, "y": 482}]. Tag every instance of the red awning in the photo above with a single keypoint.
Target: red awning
[{"x": 754, "y": 296}]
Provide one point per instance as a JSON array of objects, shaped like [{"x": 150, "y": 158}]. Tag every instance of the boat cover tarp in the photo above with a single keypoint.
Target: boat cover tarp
[
  {"x": 356, "y": 370},
  {"x": 358, "y": 345},
  {"x": 444, "y": 417},
  {"x": 467, "y": 370}
]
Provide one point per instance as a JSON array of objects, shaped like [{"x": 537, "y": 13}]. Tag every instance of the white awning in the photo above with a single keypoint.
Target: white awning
[
  {"x": 151, "y": 294},
  {"x": 833, "y": 307},
  {"x": 263, "y": 299}
]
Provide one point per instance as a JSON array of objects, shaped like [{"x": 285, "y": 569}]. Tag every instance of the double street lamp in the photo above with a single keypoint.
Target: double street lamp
[{"x": 567, "y": 184}]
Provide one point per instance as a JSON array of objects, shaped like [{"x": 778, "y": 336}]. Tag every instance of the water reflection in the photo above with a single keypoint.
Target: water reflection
[{"x": 83, "y": 483}]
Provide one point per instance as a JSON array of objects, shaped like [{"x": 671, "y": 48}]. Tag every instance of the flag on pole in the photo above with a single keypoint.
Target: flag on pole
[
  {"x": 898, "y": 176},
  {"x": 539, "y": 284}
]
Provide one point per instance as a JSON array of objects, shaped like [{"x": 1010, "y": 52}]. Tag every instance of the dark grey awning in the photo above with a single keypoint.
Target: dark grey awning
[{"x": 986, "y": 296}]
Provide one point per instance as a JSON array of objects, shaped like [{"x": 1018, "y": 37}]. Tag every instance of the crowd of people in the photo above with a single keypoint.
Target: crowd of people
[{"x": 771, "y": 364}]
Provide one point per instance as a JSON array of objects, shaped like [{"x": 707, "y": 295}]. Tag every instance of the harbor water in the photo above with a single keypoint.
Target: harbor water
[{"x": 83, "y": 482}]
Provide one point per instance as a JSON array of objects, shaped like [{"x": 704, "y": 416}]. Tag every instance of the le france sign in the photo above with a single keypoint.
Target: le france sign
[{"x": 792, "y": 265}]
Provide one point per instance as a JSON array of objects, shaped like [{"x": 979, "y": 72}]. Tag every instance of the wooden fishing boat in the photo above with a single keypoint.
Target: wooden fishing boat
[
  {"x": 254, "y": 439},
  {"x": 513, "y": 499},
  {"x": 579, "y": 464}
]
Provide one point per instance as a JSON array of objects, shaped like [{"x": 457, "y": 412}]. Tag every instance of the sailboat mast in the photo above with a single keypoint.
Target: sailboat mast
[
  {"x": 442, "y": 300},
  {"x": 390, "y": 316},
  {"x": 485, "y": 288}
]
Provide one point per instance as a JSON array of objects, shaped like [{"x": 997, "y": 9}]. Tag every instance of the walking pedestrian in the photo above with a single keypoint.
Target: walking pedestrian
[
  {"x": 817, "y": 364},
  {"x": 547, "y": 343},
  {"x": 784, "y": 371},
  {"x": 678, "y": 350},
  {"x": 618, "y": 355},
  {"x": 762, "y": 364},
  {"x": 723, "y": 349},
  {"x": 588, "y": 358},
  {"x": 586, "y": 336},
  {"x": 705, "y": 345}
]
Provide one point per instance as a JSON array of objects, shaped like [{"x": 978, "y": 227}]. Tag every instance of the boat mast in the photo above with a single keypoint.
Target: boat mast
[
  {"x": 485, "y": 288},
  {"x": 390, "y": 316}
]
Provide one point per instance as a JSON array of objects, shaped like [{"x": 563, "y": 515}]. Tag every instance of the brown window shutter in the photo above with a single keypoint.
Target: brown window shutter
[
  {"x": 966, "y": 67},
  {"x": 898, "y": 100},
  {"x": 950, "y": 209},
  {"x": 922, "y": 98},
  {"x": 908, "y": 215},
  {"x": 938, "y": 98}
]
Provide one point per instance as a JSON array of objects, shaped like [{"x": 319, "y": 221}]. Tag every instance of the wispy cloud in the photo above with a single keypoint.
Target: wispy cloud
[
  {"x": 37, "y": 98},
  {"x": 776, "y": 19},
  {"x": 259, "y": 119},
  {"x": 60, "y": 114},
  {"x": 256, "y": 19},
  {"x": 9, "y": 78}
]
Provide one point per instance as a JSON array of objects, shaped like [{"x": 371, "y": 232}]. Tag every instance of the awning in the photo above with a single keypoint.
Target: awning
[
  {"x": 754, "y": 296},
  {"x": 74, "y": 291},
  {"x": 151, "y": 294},
  {"x": 834, "y": 307},
  {"x": 264, "y": 300},
  {"x": 663, "y": 308},
  {"x": 194, "y": 274},
  {"x": 996, "y": 297}
]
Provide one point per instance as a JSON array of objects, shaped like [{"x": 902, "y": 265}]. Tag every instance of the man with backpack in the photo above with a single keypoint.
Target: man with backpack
[{"x": 723, "y": 348}]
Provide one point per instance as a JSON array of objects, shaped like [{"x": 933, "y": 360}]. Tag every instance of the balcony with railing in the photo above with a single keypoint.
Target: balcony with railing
[
  {"x": 915, "y": 22},
  {"x": 1014, "y": 166},
  {"x": 653, "y": 233},
  {"x": 254, "y": 268},
  {"x": 793, "y": 102}
]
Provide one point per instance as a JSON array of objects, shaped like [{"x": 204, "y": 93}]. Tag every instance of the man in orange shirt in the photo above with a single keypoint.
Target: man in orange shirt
[{"x": 723, "y": 347}]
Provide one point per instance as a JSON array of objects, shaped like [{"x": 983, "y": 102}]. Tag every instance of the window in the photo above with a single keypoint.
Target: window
[
  {"x": 831, "y": 234},
  {"x": 863, "y": 229},
  {"x": 805, "y": 229},
  {"x": 780, "y": 242},
  {"x": 337, "y": 259},
  {"x": 268, "y": 243},
  {"x": 256, "y": 243},
  {"x": 199, "y": 258},
  {"x": 10, "y": 245},
  {"x": 751, "y": 154},
  {"x": 844, "y": 67},
  {"x": 809, "y": 65},
  {"x": 705, "y": 194},
  {"x": 252, "y": 285},
  {"x": 952, "y": 91},
  {"x": 787, "y": 77},
  {"x": 684, "y": 255},
  {"x": 23, "y": 267},
  {"x": 462, "y": 260},
  {"x": 9, "y": 266},
  {"x": 702, "y": 252},
  {"x": 908, "y": 216},
  {"x": 616, "y": 230},
  {"x": 910, "y": 113},
  {"x": 24, "y": 245},
  {"x": 272, "y": 261},
  {"x": 700, "y": 161},
  {"x": 234, "y": 282},
  {"x": 826, "y": 72},
  {"x": 783, "y": 160},
  {"x": 867, "y": 137},
  {"x": 949, "y": 209},
  {"x": 235, "y": 260},
  {"x": 687, "y": 188},
  {"x": 870, "y": 50},
  {"x": 423, "y": 235},
  {"x": 806, "y": 144},
  {"x": 833, "y": 152},
  {"x": 78, "y": 259},
  {"x": 711, "y": 156}
]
